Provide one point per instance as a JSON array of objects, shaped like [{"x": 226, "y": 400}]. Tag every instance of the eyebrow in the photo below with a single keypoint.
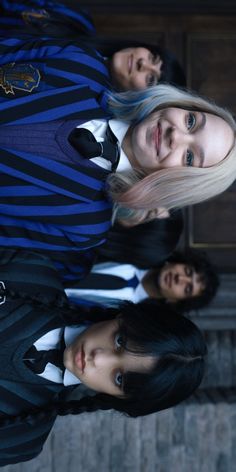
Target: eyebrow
[{"x": 200, "y": 127}]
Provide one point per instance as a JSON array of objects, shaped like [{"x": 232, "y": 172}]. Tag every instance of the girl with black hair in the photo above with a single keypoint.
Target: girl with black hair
[
  {"x": 133, "y": 65},
  {"x": 136, "y": 359}
]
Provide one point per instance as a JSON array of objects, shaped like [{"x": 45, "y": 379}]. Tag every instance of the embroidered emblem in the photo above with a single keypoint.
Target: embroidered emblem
[
  {"x": 2, "y": 294},
  {"x": 35, "y": 17},
  {"x": 19, "y": 76}
]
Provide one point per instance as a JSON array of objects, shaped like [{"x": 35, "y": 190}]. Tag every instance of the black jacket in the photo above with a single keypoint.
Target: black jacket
[{"x": 20, "y": 325}]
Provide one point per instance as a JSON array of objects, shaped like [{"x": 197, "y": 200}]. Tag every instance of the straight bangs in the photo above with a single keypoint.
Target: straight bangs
[
  {"x": 169, "y": 383},
  {"x": 152, "y": 328}
]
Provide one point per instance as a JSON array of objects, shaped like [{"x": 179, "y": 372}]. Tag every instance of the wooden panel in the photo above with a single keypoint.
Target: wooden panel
[
  {"x": 212, "y": 225},
  {"x": 162, "y": 6},
  {"x": 219, "y": 226},
  {"x": 211, "y": 66}
]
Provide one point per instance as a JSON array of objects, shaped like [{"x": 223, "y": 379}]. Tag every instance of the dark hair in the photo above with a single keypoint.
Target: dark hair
[
  {"x": 148, "y": 329},
  {"x": 201, "y": 264},
  {"x": 171, "y": 72},
  {"x": 145, "y": 245},
  {"x": 179, "y": 348}
]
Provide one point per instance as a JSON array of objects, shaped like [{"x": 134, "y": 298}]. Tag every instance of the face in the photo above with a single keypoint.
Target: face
[
  {"x": 98, "y": 359},
  {"x": 174, "y": 137},
  {"x": 179, "y": 281},
  {"x": 135, "y": 69}
]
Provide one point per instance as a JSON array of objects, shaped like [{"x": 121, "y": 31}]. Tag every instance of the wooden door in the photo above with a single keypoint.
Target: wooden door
[{"x": 205, "y": 44}]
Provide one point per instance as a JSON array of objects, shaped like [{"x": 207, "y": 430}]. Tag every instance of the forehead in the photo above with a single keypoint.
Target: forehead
[{"x": 218, "y": 139}]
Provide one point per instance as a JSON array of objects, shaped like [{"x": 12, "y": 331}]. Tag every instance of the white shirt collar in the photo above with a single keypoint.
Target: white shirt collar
[
  {"x": 50, "y": 341},
  {"x": 120, "y": 129}
]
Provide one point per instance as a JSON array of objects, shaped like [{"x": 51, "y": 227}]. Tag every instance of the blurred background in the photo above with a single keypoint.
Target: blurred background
[{"x": 199, "y": 435}]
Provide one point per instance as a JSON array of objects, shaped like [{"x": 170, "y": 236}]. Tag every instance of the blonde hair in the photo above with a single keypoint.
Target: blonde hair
[{"x": 135, "y": 193}]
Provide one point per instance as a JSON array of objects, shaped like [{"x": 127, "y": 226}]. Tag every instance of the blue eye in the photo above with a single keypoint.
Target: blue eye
[
  {"x": 189, "y": 158},
  {"x": 119, "y": 341},
  {"x": 119, "y": 379},
  {"x": 191, "y": 121}
]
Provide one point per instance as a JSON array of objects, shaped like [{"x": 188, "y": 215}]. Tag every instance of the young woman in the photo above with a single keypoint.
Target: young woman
[
  {"x": 132, "y": 65},
  {"x": 181, "y": 146},
  {"x": 135, "y": 360},
  {"x": 176, "y": 149}
]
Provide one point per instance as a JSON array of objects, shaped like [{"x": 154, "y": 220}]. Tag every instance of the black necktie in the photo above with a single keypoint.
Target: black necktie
[
  {"x": 85, "y": 143},
  {"x": 107, "y": 282},
  {"x": 37, "y": 360}
]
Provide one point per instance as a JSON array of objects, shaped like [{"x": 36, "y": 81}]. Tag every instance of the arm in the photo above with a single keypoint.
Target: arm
[
  {"x": 53, "y": 18},
  {"x": 49, "y": 271}
]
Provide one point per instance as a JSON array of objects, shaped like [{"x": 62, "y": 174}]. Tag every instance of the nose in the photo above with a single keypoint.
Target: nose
[
  {"x": 102, "y": 357},
  {"x": 182, "y": 279},
  {"x": 178, "y": 137},
  {"x": 146, "y": 65}
]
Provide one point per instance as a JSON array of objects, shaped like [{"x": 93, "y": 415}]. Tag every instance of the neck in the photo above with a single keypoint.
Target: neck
[
  {"x": 127, "y": 148},
  {"x": 150, "y": 283}
]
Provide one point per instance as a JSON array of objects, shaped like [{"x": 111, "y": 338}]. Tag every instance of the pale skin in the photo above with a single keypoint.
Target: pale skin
[
  {"x": 135, "y": 69},
  {"x": 175, "y": 137},
  {"x": 99, "y": 361}
]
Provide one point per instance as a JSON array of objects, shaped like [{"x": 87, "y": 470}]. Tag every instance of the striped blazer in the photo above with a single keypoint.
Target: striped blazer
[
  {"x": 21, "y": 323},
  {"x": 61, "y": 209},
  {"x": 50, "y": 205}
]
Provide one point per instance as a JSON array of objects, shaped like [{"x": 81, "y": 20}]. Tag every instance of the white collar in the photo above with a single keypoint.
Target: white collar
[{"x": 120, "y": 129}]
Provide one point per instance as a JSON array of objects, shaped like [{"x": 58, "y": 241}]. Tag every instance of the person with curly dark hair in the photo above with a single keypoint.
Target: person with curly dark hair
[{"x": 186, "y": 279}]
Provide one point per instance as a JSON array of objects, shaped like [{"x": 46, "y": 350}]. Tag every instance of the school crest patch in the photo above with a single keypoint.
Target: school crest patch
[
  {"x": 19, "y": 76},
  {"x": 35, "y": 17}
]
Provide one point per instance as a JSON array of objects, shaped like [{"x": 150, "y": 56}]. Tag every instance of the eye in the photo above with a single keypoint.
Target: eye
[
  {"x": 189, "y": 158},
  {"x": 156, "y": 58},
  {"x": 151, "y": 80},
  {"x": 119, "y": 379},
  {"x": 119, "y": 341},
  {"x": 188, "y": 290},
  {"x": 139, "y": 64},
  {"x": 188, "y": 271},
  {"x": 191, "y": 121}
]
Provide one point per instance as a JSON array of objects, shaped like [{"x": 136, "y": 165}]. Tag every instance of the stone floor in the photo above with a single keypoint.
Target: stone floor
[{"x": 188, "y": 438}]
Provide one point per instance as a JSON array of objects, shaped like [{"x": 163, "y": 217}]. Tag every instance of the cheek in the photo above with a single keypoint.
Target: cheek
[{"x": 138, "y": 81}]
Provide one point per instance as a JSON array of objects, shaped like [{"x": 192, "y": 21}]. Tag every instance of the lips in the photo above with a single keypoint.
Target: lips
[
  {"x": 80, "y": 359},
  {"x": 157, "y": 138},
  {"x": 130, "y": 63},
  {"x": 168, "y": 279}
]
